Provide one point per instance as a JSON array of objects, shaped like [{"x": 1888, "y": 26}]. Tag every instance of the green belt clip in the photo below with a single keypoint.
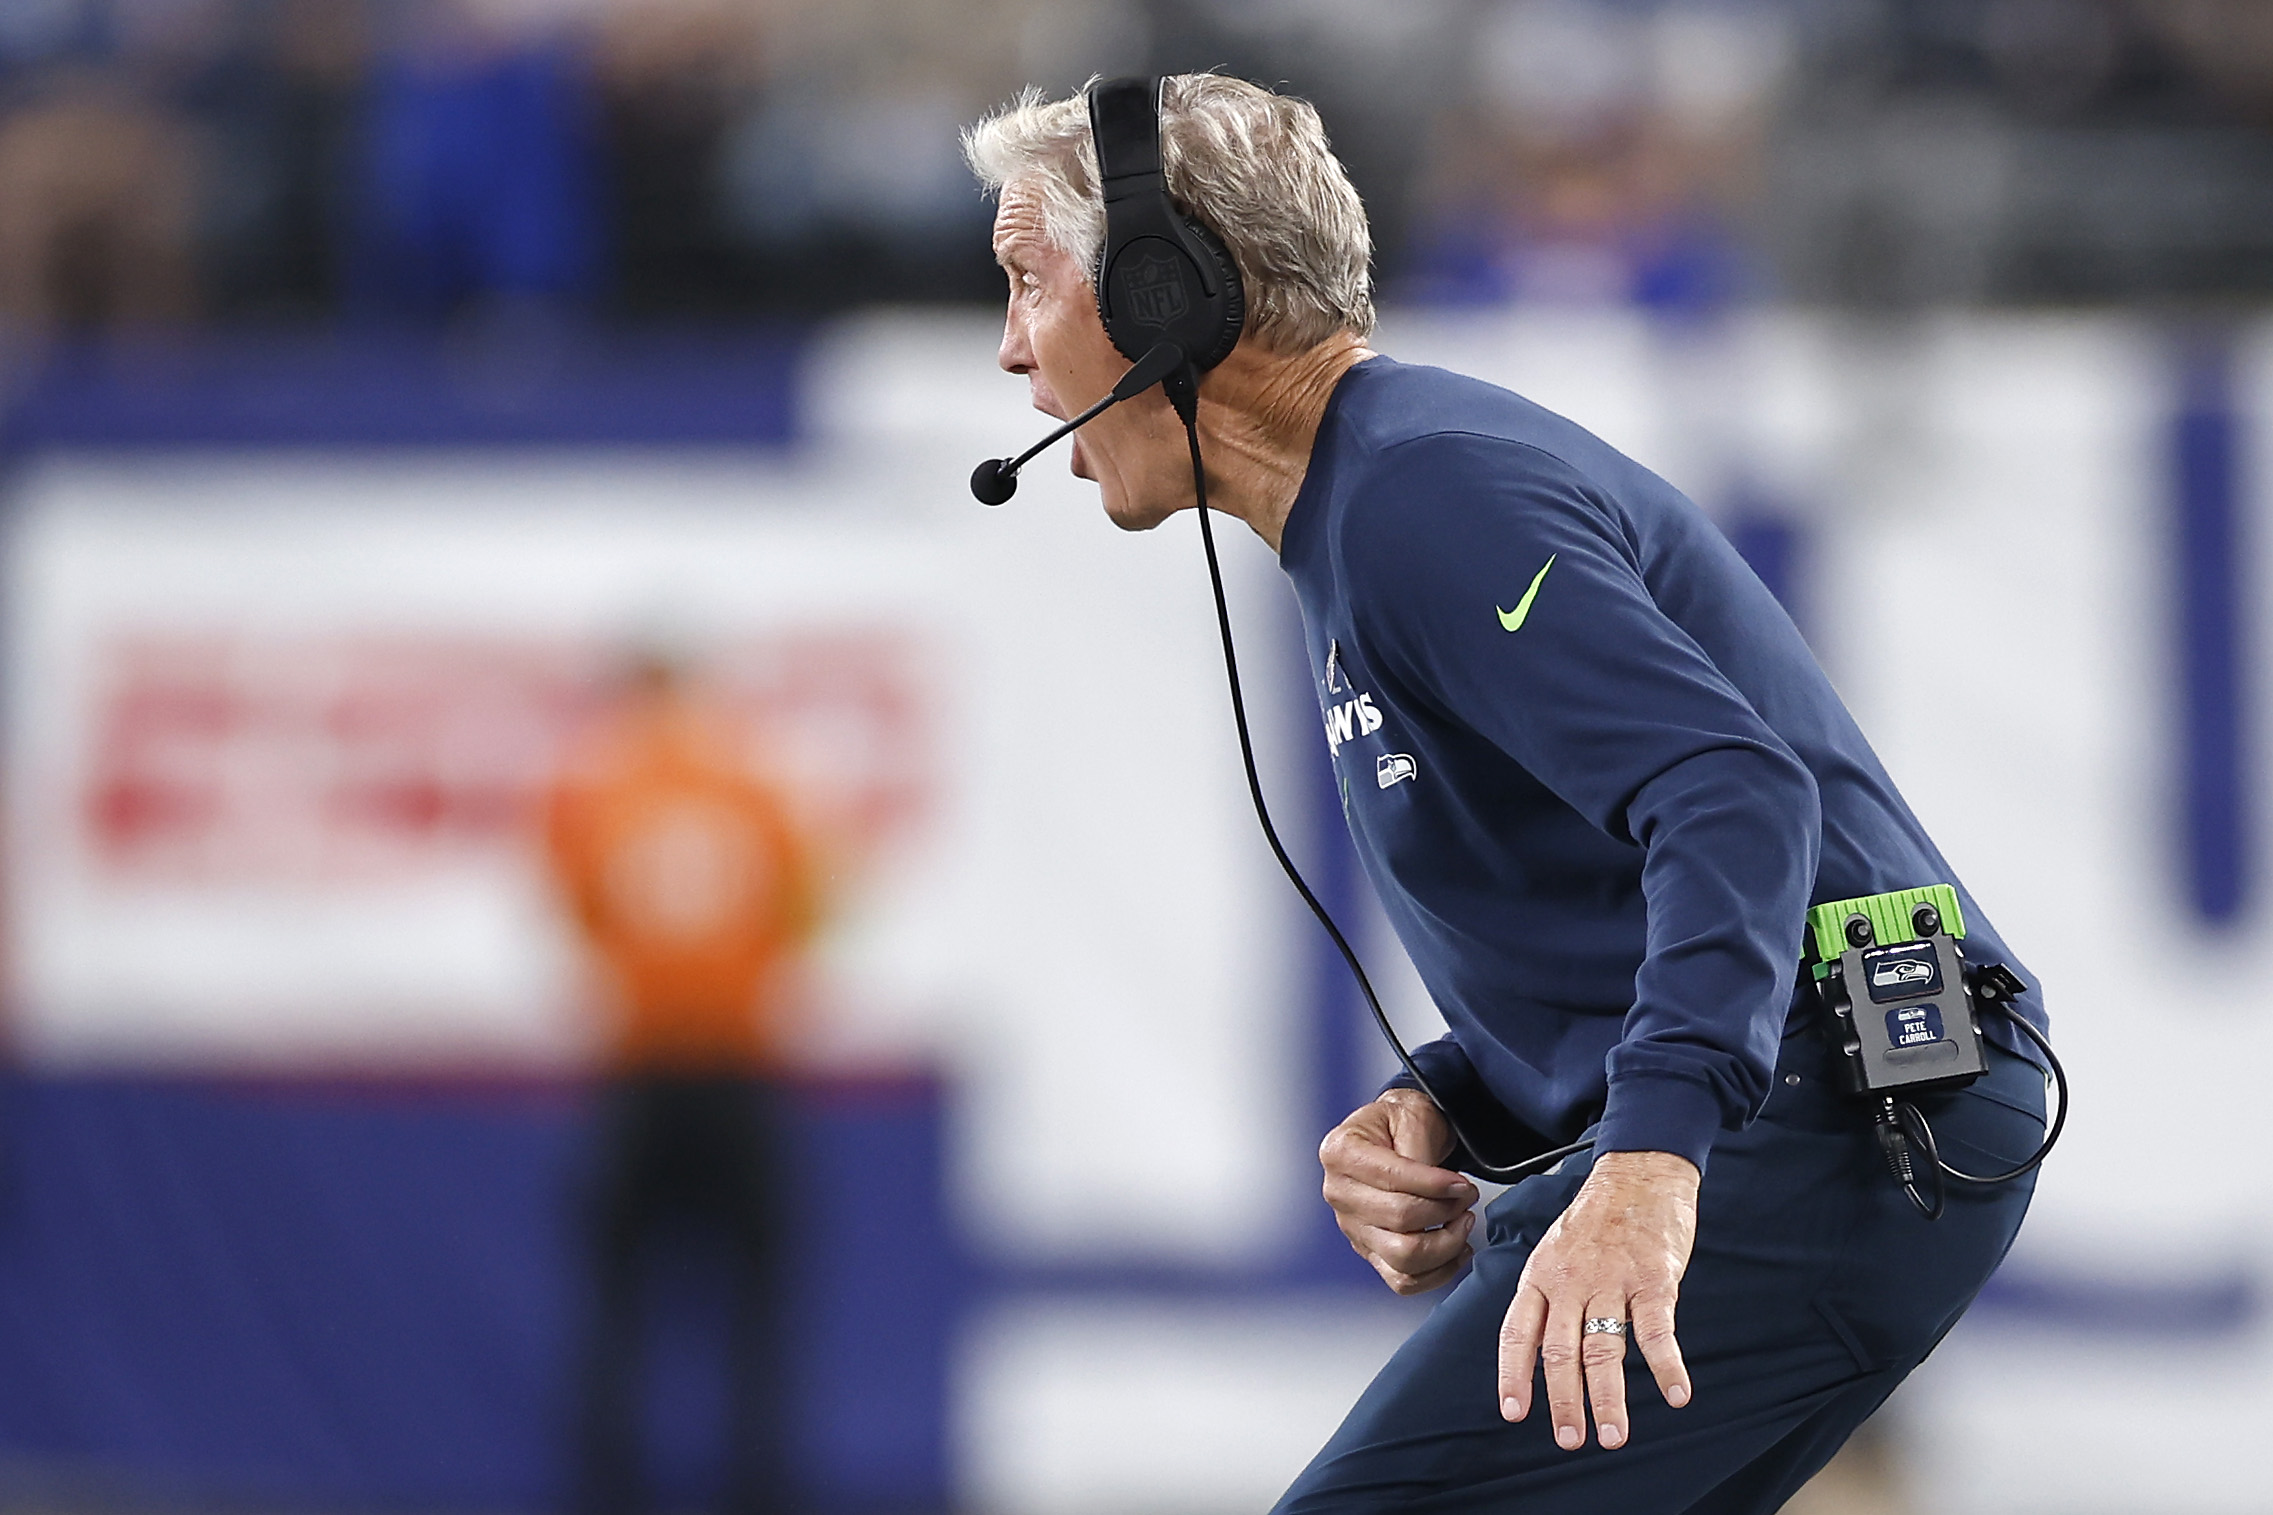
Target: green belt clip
[
  {"x": 1890, "y": 917},
  {"x": 1896, "y": 991}
]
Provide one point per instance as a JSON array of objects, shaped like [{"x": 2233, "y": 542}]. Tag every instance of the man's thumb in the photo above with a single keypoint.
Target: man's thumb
[{"x": 1417, "y": 1129}]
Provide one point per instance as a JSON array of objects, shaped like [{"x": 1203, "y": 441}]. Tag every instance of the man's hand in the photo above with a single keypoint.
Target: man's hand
[
  {"x": 1617, "y": 1253},
  {"x": 1404, "y": 1214}
]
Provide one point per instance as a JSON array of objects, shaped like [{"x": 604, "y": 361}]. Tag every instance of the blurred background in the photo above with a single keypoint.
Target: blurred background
[{"x": 574, "y": 909}]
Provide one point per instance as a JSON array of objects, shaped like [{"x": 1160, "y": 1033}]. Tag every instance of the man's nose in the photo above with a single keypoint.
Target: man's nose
[{"x": 1016, "y": 354}]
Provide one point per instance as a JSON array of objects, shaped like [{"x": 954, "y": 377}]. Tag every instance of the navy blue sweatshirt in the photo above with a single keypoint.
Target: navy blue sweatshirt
[{"x": 1592, "y": 769}]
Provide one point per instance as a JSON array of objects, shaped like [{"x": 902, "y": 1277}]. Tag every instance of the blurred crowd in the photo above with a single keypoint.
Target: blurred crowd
[{"x": 164, "y": 161}]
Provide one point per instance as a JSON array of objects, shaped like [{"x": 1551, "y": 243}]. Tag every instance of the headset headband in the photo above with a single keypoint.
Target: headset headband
[{"x": 1124, "y": 122}]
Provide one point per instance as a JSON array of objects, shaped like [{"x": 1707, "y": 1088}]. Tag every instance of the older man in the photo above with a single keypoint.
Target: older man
[{"x": 1599, "y": 782}]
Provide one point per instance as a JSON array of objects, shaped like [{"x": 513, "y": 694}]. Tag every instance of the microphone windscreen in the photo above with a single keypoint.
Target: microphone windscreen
[{"x": 992, "y": 483}]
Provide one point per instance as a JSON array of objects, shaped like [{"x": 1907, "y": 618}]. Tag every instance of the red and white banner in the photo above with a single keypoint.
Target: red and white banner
[{"x": 278, "y": 756}]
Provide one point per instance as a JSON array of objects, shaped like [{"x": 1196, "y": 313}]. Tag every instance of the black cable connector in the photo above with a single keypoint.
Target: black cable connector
[{"x": 1903, "y": 1136}]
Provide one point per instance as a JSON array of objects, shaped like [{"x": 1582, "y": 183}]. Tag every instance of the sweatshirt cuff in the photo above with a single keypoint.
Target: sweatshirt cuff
[{"x": 1651, "y": 1112}]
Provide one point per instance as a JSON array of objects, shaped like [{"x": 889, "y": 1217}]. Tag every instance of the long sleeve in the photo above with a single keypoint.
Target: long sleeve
[{"x": 1501, "y": 588}]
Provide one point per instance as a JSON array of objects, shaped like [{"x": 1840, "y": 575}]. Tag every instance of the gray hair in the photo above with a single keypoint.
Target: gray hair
[{"x": 1253, "y": 165}]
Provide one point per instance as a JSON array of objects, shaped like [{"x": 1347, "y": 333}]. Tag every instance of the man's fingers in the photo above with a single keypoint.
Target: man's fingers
[
  {"x": 1603, "y": 1354},
  {"x": 1653, "y": 1333},
  {"x": 1367, "y": 1158},
  {"x": 1566, "y": 1384},
  {"x": 1413, "y": 1254},
  {"x": 1520, "y": 1332},
  {"x": 1387, "y": 1208}
]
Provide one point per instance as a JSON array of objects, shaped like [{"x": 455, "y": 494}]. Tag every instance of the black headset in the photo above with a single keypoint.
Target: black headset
[{"x": 1161, "y": 275}]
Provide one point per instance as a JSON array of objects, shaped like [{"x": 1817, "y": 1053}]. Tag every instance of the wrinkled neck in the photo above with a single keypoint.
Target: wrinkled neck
[{"x": 1259, "y": 418}]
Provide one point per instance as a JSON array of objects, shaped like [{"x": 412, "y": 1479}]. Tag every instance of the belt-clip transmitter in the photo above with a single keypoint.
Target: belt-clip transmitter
[
  {"x": 1902, "y": 1008},
  {"x": 1893, "y": 980}
]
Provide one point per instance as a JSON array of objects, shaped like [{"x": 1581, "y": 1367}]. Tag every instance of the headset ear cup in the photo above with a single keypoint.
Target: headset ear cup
[
  {"x": 1206, "y": 325},
  {"x": 1231, "y": 303}
]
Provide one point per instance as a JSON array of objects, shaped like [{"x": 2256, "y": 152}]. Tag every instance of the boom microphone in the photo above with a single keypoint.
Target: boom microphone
[{"x": 996, "y": 480}]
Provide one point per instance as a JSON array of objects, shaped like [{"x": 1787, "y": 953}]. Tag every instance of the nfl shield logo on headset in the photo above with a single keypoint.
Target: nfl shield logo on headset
[{"x": 1154, "y": 287}]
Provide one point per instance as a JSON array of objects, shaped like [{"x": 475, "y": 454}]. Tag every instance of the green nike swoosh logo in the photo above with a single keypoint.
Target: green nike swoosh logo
[{"x": 1512, "y": 620}]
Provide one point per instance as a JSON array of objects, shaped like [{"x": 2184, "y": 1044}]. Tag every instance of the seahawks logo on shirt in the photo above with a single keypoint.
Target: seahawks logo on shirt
[
  {"x": 1357, "y": 716},
  {"x": 1350, "y": 720}
]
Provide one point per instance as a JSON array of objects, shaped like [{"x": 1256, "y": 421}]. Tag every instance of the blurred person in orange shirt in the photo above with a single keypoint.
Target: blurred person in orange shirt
[{"x": 690, "y": 882}]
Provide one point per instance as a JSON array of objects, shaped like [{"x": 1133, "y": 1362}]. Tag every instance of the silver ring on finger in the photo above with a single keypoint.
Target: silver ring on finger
[{"x": 1604, "y": 1325}]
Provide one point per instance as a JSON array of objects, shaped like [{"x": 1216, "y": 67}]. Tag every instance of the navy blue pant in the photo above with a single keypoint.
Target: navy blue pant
[{"x": 1814, "y": 1288}]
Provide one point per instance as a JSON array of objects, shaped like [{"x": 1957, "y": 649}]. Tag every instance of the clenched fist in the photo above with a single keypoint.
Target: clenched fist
[{"x": 1405, "y": 1215}]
